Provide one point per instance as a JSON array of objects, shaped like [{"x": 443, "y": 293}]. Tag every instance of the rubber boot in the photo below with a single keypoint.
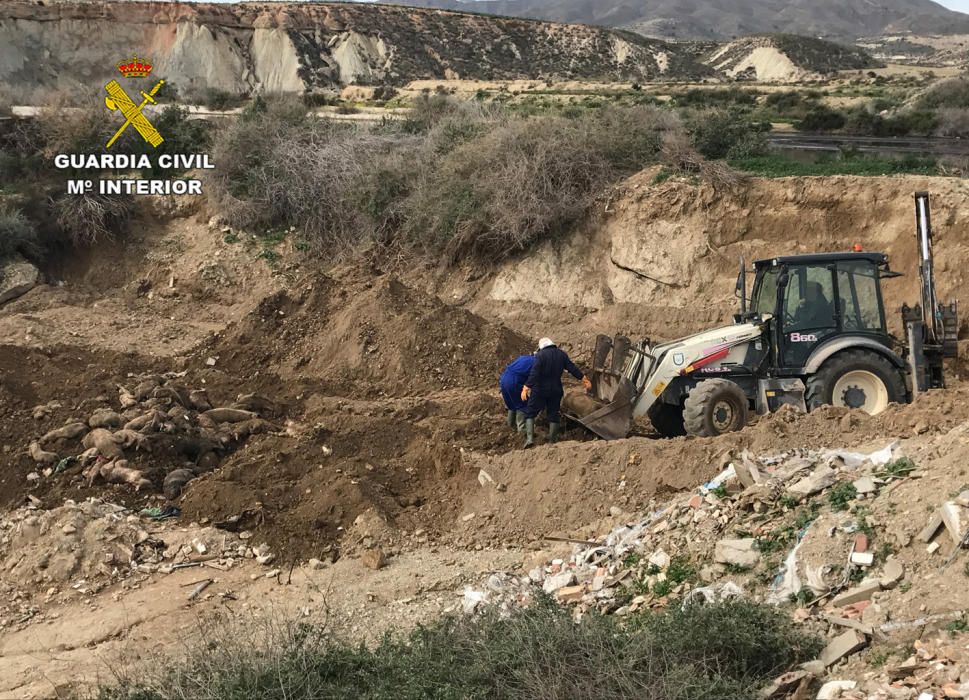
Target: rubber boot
[
  {"x": 512, "y": 420},
  {"x": 529, "y": 432},
  {"x": 520, "y": 421},
  {"x": 553, "y": 432}
]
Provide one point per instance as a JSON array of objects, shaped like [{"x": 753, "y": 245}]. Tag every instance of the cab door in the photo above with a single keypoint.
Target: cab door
[{"x": 810, "y": 316}]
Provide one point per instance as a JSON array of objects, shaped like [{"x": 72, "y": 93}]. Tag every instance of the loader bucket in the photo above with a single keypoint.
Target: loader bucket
[{"x": 610, "y": 421}]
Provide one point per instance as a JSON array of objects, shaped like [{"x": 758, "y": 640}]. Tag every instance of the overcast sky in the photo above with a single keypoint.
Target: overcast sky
[{"x": 961, "y": 5}]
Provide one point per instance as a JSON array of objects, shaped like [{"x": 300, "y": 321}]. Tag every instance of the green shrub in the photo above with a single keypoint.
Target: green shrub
[
  {"x": 716, "y": 132},
  {"x": 699, "y": 97},
  {"x": 821, "y": 118},
  {"x": 717, "y": 652},
  {"x": 217, "y": 99}
]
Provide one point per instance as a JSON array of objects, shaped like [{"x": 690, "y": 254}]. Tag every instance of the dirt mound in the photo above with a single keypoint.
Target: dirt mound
[
  {"x": 365, "y": 337},
  {"x": 402, "y": 460},
  {"x": 561, "y": 489}
]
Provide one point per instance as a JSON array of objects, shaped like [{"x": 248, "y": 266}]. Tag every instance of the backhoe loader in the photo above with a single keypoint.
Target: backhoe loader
[{"x": 813, "y": 333}]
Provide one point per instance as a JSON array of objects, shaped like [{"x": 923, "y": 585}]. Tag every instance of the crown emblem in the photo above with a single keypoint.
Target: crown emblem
[{"x": 135, "y": 67}]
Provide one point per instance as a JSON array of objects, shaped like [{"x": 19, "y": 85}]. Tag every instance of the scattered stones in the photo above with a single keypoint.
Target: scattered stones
[
  {"x": 17, "y": 277},
  {"x": 374, "y": 559},
  {"x": 893, "y": 572}
]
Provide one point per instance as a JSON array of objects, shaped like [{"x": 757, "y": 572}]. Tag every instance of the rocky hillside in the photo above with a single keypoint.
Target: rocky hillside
[
  {"x": 728, "y": 19},
  {"x": 303, "y": 47},
  {"x": 784, "y": 57}
]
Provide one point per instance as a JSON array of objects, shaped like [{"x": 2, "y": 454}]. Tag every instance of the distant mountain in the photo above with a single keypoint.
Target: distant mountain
[{"x": 728, "y": 19}]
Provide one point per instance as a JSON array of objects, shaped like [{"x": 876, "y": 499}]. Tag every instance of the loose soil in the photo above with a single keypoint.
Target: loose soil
[{"x": 388, "y": 429}]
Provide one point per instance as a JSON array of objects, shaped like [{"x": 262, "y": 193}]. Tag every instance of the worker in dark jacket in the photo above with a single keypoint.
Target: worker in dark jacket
[
  {"x": 543, "y": 388},
  {"x": 512, "y": 381}
]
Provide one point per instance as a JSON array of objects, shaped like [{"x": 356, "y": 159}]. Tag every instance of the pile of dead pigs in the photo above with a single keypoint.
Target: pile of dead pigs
[
  {"x": 159, "y": 433},
  {"x": 793, "y": 528}
]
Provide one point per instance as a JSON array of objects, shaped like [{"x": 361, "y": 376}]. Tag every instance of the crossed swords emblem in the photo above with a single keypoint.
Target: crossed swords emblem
[{"x": 118, "y": 99}]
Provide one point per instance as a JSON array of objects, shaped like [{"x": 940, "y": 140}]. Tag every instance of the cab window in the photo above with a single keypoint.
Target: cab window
[
  {"x": 809, "y": 299},
  {"x": 861, "y": 308},
  {"x": 765, "y": 292}
]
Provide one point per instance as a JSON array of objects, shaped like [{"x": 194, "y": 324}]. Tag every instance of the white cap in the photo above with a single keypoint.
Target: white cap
[{"x": 545, "y": 343}]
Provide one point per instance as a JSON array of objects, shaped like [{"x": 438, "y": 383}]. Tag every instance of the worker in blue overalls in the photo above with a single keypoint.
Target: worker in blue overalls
[{"x": 512, "y": 381}]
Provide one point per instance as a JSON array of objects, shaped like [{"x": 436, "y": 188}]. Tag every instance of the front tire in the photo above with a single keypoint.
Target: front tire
[
  {"x": 667, "y": 420},
  {"x": 714, "y": 407},
  {"x": 856, "y": 379}
]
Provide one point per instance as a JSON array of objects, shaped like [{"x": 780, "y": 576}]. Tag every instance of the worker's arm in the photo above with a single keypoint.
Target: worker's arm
[{"x": 572, "y": 369}]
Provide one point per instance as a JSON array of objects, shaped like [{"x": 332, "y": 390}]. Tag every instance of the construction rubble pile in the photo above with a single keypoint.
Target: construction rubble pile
[
  {"x": 161, "y": 433},
  {"x": 82, "y": 548},
  {"x": 795, "y": 529}
]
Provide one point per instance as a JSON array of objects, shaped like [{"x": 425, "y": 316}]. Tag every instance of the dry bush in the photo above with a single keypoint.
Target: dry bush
[
  {"x": 67, "y": 128},
  {"x": 679, "y": 154},
  {"x": 458, "y": 179},
  {"x": 951, "y": 92},
  {"x": 953, "y": 122},
  {"x": 89, "y": 218},
  {"x": 522, "y": 180}
]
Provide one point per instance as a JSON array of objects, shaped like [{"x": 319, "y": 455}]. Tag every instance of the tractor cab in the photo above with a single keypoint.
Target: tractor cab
[{"x": 813, "y": 300}]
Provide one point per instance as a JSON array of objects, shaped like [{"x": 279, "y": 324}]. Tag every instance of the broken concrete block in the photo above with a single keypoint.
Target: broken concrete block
[
  {"x": 865, "y": 485},
  {"x": 740, "y": 552},
  {"x": 818, "y": 480},
  {"x": 815, "y": 668},
  {"x": 953, "y": 517},
  {"x": 568, "y": 594},
  {"x": 856, "y": 625},
  {"x": 933, "y": 548},
  {"x": 660, "y": 559},
  {"x": 859, "y": 593},
  {"x": 484, "y": 478},
  {"x": 892, "y": 573},
  {"x": 833, "y": 689},
  {"x": 842, "y": 646},
  {"x": 748, "y": 473},
  {"x": 928, "y": 532},
  {"x": 862, "y": 558},
  {"x": 785, "y": 684},
  {"x": 560, "y": 580}
]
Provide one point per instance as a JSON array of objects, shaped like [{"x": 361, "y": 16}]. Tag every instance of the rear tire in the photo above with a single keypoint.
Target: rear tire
[
  {"x": 714, "y": 407},
  {"x": 667, "y": 420},
  {"x": 856, "y": 379}
]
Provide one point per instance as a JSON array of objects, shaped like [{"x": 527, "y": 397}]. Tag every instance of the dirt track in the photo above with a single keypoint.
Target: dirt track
[{"x": 386, "y": 400}]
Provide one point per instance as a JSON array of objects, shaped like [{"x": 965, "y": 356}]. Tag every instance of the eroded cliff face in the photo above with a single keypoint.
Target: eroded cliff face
[{"x": 291, "y": 48}]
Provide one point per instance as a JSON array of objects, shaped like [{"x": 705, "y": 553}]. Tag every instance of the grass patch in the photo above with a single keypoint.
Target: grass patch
[
  {"x": 701, "y": 652},
  {"x": 781, "y": 166},
  {"x": 841, "y": 495}
]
